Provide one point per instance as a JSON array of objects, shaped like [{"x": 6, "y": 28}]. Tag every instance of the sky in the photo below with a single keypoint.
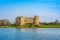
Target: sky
[{"x": 48, "y": 10}]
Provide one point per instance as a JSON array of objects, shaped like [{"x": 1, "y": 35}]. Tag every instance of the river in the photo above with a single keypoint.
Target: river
[{"x": 29, "y": 33}]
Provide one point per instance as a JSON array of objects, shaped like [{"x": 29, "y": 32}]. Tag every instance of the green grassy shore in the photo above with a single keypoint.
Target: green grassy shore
[{"x": 32, "y": 26}]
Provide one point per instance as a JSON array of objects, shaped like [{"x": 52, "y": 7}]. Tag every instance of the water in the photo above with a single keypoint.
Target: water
[{"x": 29, "y": 33}]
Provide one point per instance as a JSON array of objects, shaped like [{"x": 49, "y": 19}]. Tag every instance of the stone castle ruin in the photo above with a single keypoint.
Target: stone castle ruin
[
  {"x": 23, "y": 20},
  {"x": 4, "y": 22}
]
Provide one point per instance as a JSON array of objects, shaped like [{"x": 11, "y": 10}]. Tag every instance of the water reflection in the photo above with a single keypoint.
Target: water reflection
[{"x": 28, "y": 30}]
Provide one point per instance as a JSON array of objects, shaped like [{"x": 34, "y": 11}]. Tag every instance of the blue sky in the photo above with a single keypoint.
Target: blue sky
[{"x": 48, "y": 10}]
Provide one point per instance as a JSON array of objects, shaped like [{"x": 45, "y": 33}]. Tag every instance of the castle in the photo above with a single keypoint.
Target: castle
[
  {"x": 4, "y": 22},
  {"x": 23, "y": 20}
]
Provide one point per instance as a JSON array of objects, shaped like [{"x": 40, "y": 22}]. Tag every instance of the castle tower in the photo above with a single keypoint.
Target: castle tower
[
  {"x": 20, "y": 20},
  {"x": 36, "y": 20}
]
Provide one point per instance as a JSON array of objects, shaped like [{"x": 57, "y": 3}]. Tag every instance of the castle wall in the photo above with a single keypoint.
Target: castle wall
[{"x": 28, "y": 20}]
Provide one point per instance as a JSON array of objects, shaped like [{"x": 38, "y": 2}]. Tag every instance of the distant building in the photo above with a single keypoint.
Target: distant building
[
  {"x": 4, "y": 22},
  {"x": 23, "y": 20},
  {"x": 56, "y": 22}
]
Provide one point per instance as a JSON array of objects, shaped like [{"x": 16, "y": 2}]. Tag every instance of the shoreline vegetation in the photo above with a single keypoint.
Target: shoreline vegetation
[
  {"x": 37, "y": 24},
  {"x": 42, "y": 25}
]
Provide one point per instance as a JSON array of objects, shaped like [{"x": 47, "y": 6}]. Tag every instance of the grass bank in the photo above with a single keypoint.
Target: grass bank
[{"x": 32, "y": 26}]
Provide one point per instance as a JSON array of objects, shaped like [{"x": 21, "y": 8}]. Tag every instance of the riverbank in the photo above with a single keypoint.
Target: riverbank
[{"x": 32, "y": 26}]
